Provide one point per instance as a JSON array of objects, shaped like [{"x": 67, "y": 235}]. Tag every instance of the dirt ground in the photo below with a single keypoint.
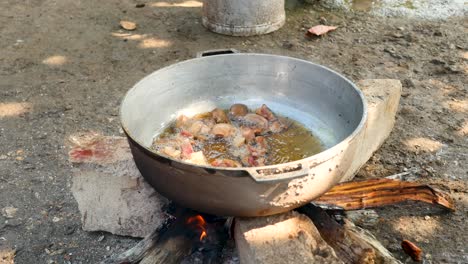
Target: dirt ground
[{"x": 65, "y": 66}]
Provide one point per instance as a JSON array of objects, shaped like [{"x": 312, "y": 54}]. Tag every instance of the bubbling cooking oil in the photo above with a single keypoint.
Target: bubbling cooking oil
[
  {"x": 292, "y": 144},
  {"x": 295, "y": 143}
]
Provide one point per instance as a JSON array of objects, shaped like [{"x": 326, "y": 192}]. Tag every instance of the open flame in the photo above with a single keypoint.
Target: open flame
[{"x": 200, "y": 223}]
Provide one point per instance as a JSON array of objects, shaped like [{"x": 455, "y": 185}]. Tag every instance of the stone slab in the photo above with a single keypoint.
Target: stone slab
[
  {"x": 111, "y": 194},
  {"x": 285, "y": 238}
]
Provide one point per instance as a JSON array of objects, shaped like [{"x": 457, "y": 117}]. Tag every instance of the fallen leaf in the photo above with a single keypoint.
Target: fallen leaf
[
  {"x": 320, "y": 30},
  {"x": 7, "y": 256},
  {"x": 128, "y": 25},
  {"x": 412, "y": 250}
]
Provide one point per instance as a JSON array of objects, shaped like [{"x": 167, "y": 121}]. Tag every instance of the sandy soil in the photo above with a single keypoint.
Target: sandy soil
[{"x": 65, "y": 66}]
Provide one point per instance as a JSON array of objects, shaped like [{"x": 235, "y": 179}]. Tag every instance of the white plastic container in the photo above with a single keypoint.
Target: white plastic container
[{"x": 243, "y": 17}]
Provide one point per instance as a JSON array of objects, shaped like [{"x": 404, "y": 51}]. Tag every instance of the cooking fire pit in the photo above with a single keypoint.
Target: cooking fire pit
[{"x": 128, "y": 206}]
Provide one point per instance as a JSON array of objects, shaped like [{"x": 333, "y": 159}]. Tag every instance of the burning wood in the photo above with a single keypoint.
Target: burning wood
[
  {"x": 200, "y": 223},
  {"x": 351, "y": 244},
  {"x": 175, "y": 241},
  {"x": 381, "y": 192}
]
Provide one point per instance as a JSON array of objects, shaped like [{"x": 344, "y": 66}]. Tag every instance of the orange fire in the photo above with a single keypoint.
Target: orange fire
[{"x": 200, "y": 223}]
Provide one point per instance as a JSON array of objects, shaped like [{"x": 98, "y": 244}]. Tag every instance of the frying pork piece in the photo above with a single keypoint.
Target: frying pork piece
[
  {"x": 225, "y": 163},
  {"x": 197, "y": 158},
  {"x": 187, "y": 149},
  {"x": 232, "y": 140},
  {"x": 251, "y": 161},
  {"x": 247, "y": 133},
  {"x": 238, "y": 140},
  {"x": 219, "y": 116},
  {"x": 175, "y": 146},
  {"x": 266, "y": 113},
  {"x": 203, "y": 116},
  {"x": 199, "y": 128},
  {"x": 258, "y": 123},
  {"x": 238, "y": 110},
  {"x": 182, "y": 121},
  {"x": 223, "y": 130},
  {"x": 171, "y": 152},
  {"x": 186, "y": 133},
  {"x": 256, "y": 152},
  {"x": 275, "y": 124},
  {"x": 260, "y": 147}
]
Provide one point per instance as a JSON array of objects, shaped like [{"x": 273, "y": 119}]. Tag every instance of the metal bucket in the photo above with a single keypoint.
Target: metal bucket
[{"x": 243, "y": 17}]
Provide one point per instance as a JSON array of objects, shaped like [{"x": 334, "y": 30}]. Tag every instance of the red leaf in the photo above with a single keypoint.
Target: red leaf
[{"x": 320, "y": 30}]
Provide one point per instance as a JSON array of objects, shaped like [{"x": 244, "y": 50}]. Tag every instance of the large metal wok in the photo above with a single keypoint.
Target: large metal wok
[{"x": 323, "y": 100}]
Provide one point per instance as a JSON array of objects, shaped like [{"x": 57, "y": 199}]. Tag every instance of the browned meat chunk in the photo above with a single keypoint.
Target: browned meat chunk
[
  {"x": 251, "y": 161},
  {"x": 259, "y": 148},
  {"x": 225, "y": 163},
  {"x": 186, "y": 133},
  {"x": 258, "y": 123},
  {"x": 219, "y": 116},
  {"x": 187, "y": 149},
  {"x": 234, "y": 138},
  {"x": 248, "y": 133},
  {"x": 203, "y": 116},
  {"x": 223, "y": 130},
  {"x": 182, "y": 121},
  {"x": 238, "y": 140},
  {"x": 238, "y": 110},
  {"x": 171, "y": 152},
  {"x": 199, "y": 128},
  {"x": 197, "y": 158},
  {"x": 266, "y": 113},
  {"x": 280, "y": 124},
  {"x": 276, "y": 126}
]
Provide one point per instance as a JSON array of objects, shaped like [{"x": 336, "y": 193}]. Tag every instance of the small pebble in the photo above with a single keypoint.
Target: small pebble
[
  {"x": 101, "y": 238},
  {"x": 56, "y": 219},
  {"x": 108, "y": 248},
  {"x": 9, "y": 211},
  {"x": 69, "y": 230},
  {"x": 427, "y": 217}
]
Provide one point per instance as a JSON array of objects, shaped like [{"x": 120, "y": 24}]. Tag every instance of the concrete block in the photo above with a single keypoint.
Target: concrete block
[
  {"x": 285, "y": 238},
  {"x": 111, "y": 194},
  {"x": 383, "y": 97}
]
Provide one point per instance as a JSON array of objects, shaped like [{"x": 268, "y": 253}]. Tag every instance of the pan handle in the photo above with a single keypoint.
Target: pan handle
[
  {"x": 214, "y": 52},
  {"x": 279, "y": 173}
]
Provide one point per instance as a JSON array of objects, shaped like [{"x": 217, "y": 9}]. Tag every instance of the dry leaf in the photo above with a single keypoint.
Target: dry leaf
[
  {"x": 412, "y": 250},
  {"x": 320, "y": 30},
  {"x": 128, "y": 25},
  {"x": 7, "y": 256}
]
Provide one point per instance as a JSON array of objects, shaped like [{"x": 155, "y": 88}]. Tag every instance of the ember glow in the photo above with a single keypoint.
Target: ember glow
[{"x": 200, "y": 223}]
